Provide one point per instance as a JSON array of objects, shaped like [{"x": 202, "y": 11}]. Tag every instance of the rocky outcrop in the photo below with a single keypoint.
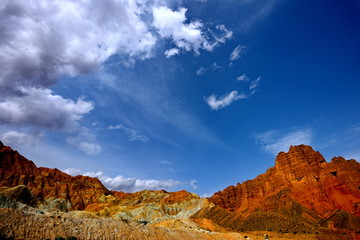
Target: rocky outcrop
[
  {"x": 51, "y": 189},
  {"x": 301, "y": 185},
  {"x": 48, "y": 184},
  {"x": 149, "y": 206},
  {"x": 21, "y": 194},
  {"x": 301, "y": 193}
]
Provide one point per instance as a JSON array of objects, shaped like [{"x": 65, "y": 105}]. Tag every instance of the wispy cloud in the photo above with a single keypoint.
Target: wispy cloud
[
  {"x": 254, "y": 84},
  {"x": 193, "y": 184},
  {"x": 165, "y": 162},
  {"x": 172, "y": 52},
  {"x": 242, "y": 77},
  {"x": 236, "y": 53},
  {"x": 206, "y": 195},
  {"x": 121, "y": 183},
  {"x": 132, "y": 134},
  {"x": 73, "y": 171},
  {"x": 353, "y": 155},
  {"x": 217, "y": 103},
  {"x": 200, "y": 71},
  {"x": 274, "y": 141},
  {"x": 85, "y": 142},
  {"x": 216, "y": 66}
]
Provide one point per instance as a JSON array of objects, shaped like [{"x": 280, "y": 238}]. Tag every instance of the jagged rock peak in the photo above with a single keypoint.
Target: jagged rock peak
[{"x": 299, "y": 156}]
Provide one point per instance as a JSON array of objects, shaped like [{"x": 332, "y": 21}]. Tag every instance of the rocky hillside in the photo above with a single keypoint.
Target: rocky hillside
[
  {"x": 72, "y": 193},
  {"x": 302, "y": 193},
  {"x": 54, "y": 190},
  {"x": 301, "y": 186}
]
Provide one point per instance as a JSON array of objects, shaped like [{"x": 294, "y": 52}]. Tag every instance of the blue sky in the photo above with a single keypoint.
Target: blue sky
[{"x": 194, "y": 95}]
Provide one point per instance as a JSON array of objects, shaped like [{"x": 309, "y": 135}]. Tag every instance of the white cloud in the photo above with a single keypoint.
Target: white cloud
[
  {"x": 172, "y": 52},
  {"x": 200, "y": 71},
  {"x": 226, "y": 33},
  {"x": 46, "y": 39},
  {"x": 121, "y": 183},
  {"x": 275, "y": 142},
  {"x": 193, "y": 184},
  {"x": 236, "y": 53},
  {"x": 85, "y": 146},
  {"x": 216, "y": 66},
  {"x": 43, "y": 40},
  {"x": 221, "y": 102},
  {"x": 353, "y": 155},
  {"x": 254, "y": 84},
  {"x": 206, "y": 195},
  {"x": 165, "y": 162},
  {"x": 73, "y": 171},
  {"x": 186, "y": 36},
  {"x": 85, "y": 141},
  {"x": 132, "y": 134},
  {"x": 242, "y": 77},
  {"x": 41, "y": 108},
  {"x": 15, "y": 138}
]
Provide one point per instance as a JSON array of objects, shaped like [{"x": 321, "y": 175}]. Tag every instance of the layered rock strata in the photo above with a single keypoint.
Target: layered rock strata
[{"x": 301, "y": 186}]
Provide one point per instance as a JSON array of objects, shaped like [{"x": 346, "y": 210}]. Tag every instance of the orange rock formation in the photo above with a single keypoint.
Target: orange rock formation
[
  {"x": 302, "y": 192},
  {"x": 301, "y": 185}
]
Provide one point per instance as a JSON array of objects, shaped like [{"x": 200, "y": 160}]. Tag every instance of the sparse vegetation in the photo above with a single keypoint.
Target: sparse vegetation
[{"x": 274, "y": 222}]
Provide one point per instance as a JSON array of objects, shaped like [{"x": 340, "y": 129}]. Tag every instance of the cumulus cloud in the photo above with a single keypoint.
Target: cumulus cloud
[
  {"x": 216, "y": 103},
  {"x": 132, "y": 134},
  {"x": 236, "y": 53},
  {"x": 186, "y": 36},
  {"x": 45, "y": 39},
  {"x": 193, "y": 184},
  {"x": 274, "y": 142},
  {"x": 121, "y": 183},
  {"x": 15, "y": 138},
  {"x": 42, "y": 108}
]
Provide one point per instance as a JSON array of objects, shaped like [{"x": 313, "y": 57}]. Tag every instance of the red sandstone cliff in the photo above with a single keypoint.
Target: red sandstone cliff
[
  {"x": 48, "y": 183},
  {"x": 66, "y": 192},
  {"x": 302, "y": 192},
  {"x": 301, "y": 185}
]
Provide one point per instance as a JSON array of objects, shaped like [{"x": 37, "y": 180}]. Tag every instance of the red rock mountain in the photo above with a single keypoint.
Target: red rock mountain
[
  {"x": 301, "y": 186},
  {"x": 65, "y": 192},
  {"x": 302, "y": 192},
  {"x": 48, "y": 183}
]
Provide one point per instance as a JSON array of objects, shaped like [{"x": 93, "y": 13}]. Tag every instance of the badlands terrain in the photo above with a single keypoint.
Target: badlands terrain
[{"x": 302, "y": 197}]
